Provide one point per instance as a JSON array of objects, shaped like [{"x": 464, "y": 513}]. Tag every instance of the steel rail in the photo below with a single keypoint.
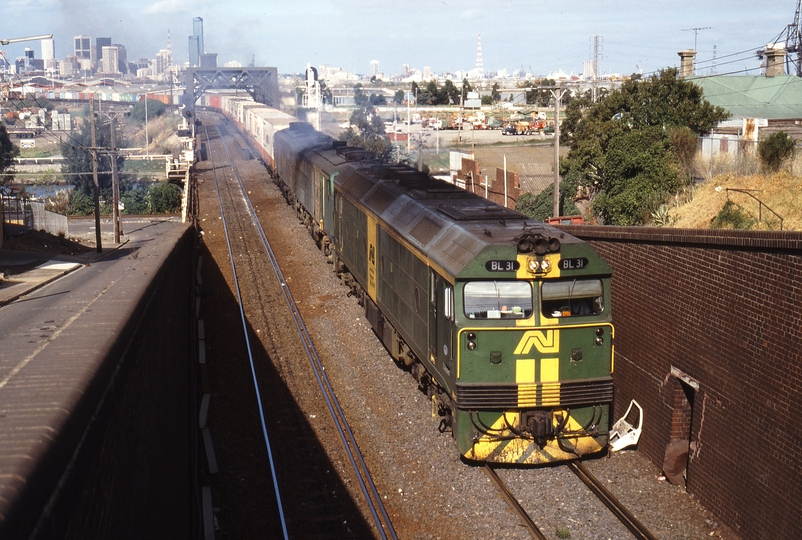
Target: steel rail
[
  {"x": 364, "y": 478},
  {"x": 534, "y": 530},
  {"x": 248, "y": 345},
  {"x": 609, "y": 500}
]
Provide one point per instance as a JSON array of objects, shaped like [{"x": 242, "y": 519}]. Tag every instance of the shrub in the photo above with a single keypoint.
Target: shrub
[
  {"x": 732, "y": 216},
  {"x": 775, "y": 149},
  {"x": 81, "y": 204},
  {"x": 164, "y": 198}
]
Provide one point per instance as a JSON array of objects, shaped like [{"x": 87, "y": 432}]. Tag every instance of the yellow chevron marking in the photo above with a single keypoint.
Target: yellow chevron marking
[
  {"x": 545, "y": 341},
  {"x": 483, "y": 448},
  {"x": 526, "y": 451}
]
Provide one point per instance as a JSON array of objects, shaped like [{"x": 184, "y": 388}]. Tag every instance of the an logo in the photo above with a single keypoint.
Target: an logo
[{"x": 545, "y": 341}]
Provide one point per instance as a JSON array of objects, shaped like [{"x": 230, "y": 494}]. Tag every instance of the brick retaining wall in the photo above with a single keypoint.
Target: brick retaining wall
[{"x": 708, "y": 340}]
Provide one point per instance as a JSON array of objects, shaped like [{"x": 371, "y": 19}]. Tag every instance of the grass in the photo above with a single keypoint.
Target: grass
[{"x": 781, "y": 192}]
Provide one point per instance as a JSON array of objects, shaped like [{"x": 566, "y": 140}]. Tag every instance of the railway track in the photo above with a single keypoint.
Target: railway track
[
  {"x": 247, "y": 232},
  {"x": 608, "y": 499},
  {"x": 625, "y": 516},
  {"x": 527, "y": 521}
]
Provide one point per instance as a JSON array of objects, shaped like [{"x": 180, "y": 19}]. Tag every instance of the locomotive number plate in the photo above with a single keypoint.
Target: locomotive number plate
[
  {"x": 502, "y": 266},
  {"x": 578, "y": 263}
]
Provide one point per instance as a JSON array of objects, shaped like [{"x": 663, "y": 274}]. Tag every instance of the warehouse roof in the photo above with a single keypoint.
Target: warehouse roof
[{"x": 778, "y": 97}]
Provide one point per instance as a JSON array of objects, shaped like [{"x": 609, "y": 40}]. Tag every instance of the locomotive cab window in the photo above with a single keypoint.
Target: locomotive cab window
[
  {"x": 572, "y": 298},
  {"x": 497, "y": 299}
]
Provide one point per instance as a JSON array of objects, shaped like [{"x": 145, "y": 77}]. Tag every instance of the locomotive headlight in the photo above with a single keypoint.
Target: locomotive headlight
[
  {"x": 471, "y": 341},
  {"x": 599, "y": 341},
  {"x": 535, "y": 266}
]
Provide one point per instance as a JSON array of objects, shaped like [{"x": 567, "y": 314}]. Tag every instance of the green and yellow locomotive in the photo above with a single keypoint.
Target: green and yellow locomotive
[{"x": 504, "y": 321}]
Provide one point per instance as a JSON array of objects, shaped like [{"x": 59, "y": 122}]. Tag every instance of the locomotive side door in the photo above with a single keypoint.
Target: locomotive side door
[
  {"x": 328, "y": 202},
  {"x": 441, "y": 322}
]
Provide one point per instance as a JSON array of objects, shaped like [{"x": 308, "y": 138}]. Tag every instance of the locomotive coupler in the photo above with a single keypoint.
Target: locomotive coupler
[{"x": 538, "y": 423}]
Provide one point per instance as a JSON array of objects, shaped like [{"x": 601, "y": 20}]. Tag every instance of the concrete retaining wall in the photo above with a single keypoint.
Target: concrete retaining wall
[{"x": 124, "y": 464}]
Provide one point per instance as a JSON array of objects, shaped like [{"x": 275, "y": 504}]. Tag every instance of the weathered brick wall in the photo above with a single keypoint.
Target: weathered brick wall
[{"x": 709, "y": 324}]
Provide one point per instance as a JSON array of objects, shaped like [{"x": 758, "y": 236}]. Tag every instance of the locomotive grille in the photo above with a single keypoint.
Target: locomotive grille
[{"x": 506, "y": 396}]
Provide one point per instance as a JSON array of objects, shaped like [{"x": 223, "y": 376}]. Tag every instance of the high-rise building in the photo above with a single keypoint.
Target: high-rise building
[
  {"x": 122, "y": 58},
  {"x": 49, "y": 55},
  {"x": 208, "y": 60},
  {"x": 196, "y": 42},
  {"x": 374, "y": 68},
  {"x": 101, "y": 42},
  {"x": 48, "y": 49},
  {"x": 194, "y": 51},
  {"x": 83, "y": 47},
  {"x": 197, "y": 30},
  {"x": 110, "y": 60}
]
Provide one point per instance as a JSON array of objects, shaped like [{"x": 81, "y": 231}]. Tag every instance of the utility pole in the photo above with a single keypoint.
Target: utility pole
[
  {"x": 94, "y": 173},
  {"x": 118, "y": 229},
  {"x": 558, "y": 95}
]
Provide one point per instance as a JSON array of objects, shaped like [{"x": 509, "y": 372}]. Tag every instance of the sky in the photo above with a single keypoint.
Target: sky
[{"x": 536, "y": 36}]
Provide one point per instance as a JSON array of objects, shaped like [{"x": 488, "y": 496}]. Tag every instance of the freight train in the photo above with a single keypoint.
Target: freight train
[{"x": 504, "y": 321}]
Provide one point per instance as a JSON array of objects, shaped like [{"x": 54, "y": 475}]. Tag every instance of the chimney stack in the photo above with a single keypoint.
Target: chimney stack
[
  {"x": 775, "y": 59},
  {"x": 686, "y": 63}
]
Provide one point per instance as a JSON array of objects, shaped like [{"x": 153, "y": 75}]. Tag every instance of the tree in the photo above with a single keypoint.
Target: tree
[
  {"x": 466, "y": 87},
  {"x": 627, "y": 147},
  {"x": 163, "y": 198},
  {"x": 451, "y": 92},
  {"x": 78, "y": 158},
  {"x": 367, "y": 131},
  {"x": 495, "y": 95},
  {"x": 429, "y": 94},
  {"x": 360, "y": 98},
  {"x": 8, "y": 151},
  {"x": 398, "y": 98},
  {"x": 154, "y": 107},
  {"x": 325, "y": 92},
  {"x": 775, "y": 149},
  {"x": 377, "y": 99}
]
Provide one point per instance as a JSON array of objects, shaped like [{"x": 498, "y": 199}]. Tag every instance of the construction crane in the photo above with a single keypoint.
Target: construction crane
[{"x": 793, "y": 43}]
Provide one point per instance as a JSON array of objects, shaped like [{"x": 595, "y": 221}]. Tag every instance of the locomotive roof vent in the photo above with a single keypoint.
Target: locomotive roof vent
[{"x": 531, "y": 241}]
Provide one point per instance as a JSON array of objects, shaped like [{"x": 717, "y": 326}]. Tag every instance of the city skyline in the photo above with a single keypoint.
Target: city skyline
[{"x": 349, "y": 34}]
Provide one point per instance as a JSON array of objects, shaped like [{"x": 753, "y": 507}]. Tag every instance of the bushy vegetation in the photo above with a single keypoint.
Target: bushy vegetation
[
  {"x": 775, "y": 149},
  {"x": 732, "y": 216},
  {"x": 633, "y": 149},
  {"x": 8, "y": 151},
  {"x": 367, "y": 131},
  {"x": 153, "y": 107},
  {"x": 138, "y": 197},
  {"x": 541, "y": 206}
]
